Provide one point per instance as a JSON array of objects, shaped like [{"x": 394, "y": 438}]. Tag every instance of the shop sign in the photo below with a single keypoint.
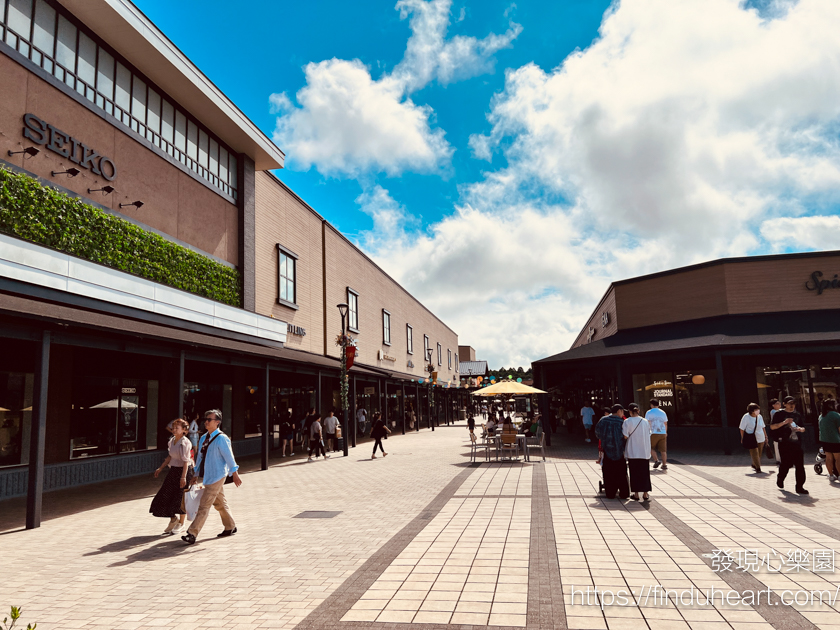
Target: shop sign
[
  {"x": 129, "y": 390},
  {"x": 370, "y": 391},
  {"x": 386, "y": 357},
  {"x": 296, "y": 330},
  {"x": 816, "y": 283},
  {"x": 66, "y": 146}
]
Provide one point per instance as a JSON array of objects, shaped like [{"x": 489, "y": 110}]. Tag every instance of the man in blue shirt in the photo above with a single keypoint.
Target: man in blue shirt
[{"x": 214, "y": 463}]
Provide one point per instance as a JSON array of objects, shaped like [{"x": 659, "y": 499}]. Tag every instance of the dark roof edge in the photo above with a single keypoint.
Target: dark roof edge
[
  {"x": 595, "y": 310},
  {"x": 358, "y": 249},
  {"x": 724, "y": 261}
]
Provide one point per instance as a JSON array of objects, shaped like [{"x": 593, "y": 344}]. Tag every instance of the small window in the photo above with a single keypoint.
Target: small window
[
  {"x": 409, "y": 339},
  {"x": 386, "y": 327},
  {"x": 449, "y": 355},
  {"x": 286, "y": 278},
  {"x": 457, "y": 365},
  {"x": 440, "y": 355},
  {"x": 352, "y": 310}
]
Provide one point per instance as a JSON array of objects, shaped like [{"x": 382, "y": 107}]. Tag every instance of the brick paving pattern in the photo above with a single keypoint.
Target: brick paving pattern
[{"x": 425, "y": 540}]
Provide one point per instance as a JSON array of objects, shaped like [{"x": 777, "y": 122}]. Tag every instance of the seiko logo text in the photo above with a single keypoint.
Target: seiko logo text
[{"x": 66, "y": 146}]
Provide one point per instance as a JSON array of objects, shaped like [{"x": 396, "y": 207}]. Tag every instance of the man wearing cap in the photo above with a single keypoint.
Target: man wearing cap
[
  {"x": 610, "y": 431},
  {"x": 214, "y": 463},
  {"x": 786, "y": 429}
]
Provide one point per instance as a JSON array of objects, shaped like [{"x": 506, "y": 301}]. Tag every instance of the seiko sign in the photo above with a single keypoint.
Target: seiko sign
[{"x": 66, "y": 146}]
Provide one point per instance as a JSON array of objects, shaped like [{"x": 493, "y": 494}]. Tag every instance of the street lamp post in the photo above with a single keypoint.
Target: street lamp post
[
  {"x": 430, "y": 368},
  {"x": 342, "y": 308}
]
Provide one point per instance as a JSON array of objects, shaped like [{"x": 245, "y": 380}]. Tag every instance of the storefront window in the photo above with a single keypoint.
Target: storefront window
[
  {"x": 200, "y": 397},
  {"x": 112, "y": 415},
  {"x": 15, "y": 417},
  {"x": 689, "y": 397},
  {"x": 799, "y": 381}
]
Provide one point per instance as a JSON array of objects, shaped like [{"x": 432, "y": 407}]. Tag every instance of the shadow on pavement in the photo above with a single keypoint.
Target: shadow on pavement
[
  {"x": 160, "y": 551},
  {"x": 124, "y": 545}
]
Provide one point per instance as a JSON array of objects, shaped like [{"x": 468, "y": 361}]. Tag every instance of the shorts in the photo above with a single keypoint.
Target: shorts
[
  {"x": 289, "y": 436},
  {"x": 587, "y": 425},
  {"x": 831, "y": 447},
  {"x": 658, "y": 441}
]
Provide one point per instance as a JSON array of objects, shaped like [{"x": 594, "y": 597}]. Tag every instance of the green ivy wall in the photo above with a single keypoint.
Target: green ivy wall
[{"x": 45, "y": 216}]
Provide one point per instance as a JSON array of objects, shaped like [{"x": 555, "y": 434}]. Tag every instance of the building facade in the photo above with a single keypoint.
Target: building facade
[
  {"x": 152, "y": 266},
  {"x": 707, "y": 340}
]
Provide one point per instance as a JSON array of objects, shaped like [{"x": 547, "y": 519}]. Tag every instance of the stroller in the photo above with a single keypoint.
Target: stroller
[{"x": 820, "y": 459}]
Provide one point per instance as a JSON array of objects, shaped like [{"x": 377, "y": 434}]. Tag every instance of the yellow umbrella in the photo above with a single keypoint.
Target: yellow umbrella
[{"x": 509, "y": 388}]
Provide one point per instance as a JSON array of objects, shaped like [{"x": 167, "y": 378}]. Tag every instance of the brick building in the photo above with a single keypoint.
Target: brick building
[
  {"x": 152, "y": 266},
  {"x": 707, "y": 340}
]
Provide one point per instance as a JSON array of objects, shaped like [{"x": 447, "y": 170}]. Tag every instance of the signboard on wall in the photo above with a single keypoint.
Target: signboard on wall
[
  {"x": 57, "y": 141},
  {"x": 370, "y": 391}
]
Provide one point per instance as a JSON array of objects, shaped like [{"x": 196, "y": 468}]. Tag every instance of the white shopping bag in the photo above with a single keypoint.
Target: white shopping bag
[{"x": 192, "y": 498}]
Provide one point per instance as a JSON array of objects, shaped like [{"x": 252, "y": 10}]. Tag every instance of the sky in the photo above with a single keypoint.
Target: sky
[{"x": 505, "y": 161}]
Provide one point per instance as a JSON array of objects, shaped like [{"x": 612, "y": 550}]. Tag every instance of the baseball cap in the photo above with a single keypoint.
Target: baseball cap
[
  {"x": 616, "y": 408},
  {"x": 789, "y": 399}
]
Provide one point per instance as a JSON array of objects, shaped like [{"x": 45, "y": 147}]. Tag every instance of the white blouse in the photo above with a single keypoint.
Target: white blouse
[
  {"x": 179, "y": 452},
  {"x": 747, "y": 424},
  {"x": 637, "y": 432}
]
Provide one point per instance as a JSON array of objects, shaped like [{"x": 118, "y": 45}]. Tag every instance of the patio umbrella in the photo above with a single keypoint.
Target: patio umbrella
[
  {"x": 113, "y": 404},
  {"x": 507, "y": 388}
]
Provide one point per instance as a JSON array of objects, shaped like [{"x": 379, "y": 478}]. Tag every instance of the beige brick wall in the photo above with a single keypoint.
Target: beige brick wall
[{"x": 283, "y": 218}]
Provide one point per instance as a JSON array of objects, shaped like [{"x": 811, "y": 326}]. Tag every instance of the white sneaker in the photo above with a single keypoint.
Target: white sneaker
[
  {"x": 178, "y": 528},
  {"x": 171, "y": 526},
  {"x": 832, "y": 477}
]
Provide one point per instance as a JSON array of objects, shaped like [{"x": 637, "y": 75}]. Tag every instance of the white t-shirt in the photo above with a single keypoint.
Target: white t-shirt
[
  {"x": 361, "y": 415},
  {"x": 658, "y": 420},
  {"x": 637, "y": 432},
  {"x": 747, "y": 424},
  {"x": 587, "y": 413},
  {"x": 330, "y": 423},
  {"x": 314, "y": 430}
]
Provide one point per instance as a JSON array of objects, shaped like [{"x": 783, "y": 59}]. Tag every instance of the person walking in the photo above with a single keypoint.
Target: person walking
[
  {"x": 587, "y": 415},
  {"x": 194, "y": 431},
  {"x": 775, "y": 406},
  {"x": 287, "y": 432},
  {"x": 787, "y": 428},
  {"x": 316, "y": 438},
  {"x": 169, "y": 500},
  {"x": 378, "y": 431},
  {"x": 361, "y": 419},
  {"x": 471, "y": 423},
  {"x": 830, "y": 438},
  {"x": 658, "y": 421},
  {"x": 214, "y": 464},
  {"x": 330, "y": 431},
  {"x": 614, "y": 467},
  {"x": 636, "y": 431},
  {"x": 752, "y": 434}
]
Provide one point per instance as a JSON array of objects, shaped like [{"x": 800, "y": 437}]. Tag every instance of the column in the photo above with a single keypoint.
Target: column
[
  {"x": 353, "y": 422},
  {"x": 724, "y": 422},
  {"x": 266, "y": 433},
  {"x": 181, "y": 362},
  {"x": 402, "y": 406},
  {"x": 37, "y": 440}
]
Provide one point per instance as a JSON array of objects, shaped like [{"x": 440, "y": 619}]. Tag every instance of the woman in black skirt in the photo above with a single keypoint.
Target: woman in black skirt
[
  {"x": 636, "y": 432},
  {"x": 169, "y": 500}
]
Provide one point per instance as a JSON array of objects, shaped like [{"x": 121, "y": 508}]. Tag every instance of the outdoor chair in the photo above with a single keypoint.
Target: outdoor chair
[
  {"x": 509, "y": 445},
  {"x": 537, "y": 441},
  {"x": 475, "y": 445}
]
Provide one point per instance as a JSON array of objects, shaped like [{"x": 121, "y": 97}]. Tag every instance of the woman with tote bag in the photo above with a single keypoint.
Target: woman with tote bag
[{"x": 752, "y": 434}]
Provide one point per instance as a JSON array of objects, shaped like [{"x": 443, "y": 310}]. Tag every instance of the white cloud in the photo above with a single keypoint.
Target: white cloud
[
  {"x": 808, "y": 233},
  {"x": 687, "y": 131},
  {"x": 349, "y": 123}
]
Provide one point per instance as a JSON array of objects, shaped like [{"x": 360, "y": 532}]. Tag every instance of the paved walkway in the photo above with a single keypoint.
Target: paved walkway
[{"x": 424, "y": 540}]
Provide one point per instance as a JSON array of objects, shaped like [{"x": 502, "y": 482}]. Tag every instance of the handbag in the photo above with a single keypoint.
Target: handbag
[
  {"x": 749, "y": 440},
  {"x": 338, "y": 432},
  {"x": 192, "y": 499}
]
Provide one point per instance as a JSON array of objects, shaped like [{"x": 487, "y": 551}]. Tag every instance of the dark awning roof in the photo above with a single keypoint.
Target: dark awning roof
[{"x": 730, "y": 331}]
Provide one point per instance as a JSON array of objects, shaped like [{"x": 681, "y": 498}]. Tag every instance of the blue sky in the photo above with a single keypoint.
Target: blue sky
[
  {"x": 506, "y": 161},
  {"x": 280, "y": 38}
]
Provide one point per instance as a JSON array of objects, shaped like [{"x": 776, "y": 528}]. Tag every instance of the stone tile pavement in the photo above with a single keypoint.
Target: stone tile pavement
[{"x": 424, "y": 540}]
